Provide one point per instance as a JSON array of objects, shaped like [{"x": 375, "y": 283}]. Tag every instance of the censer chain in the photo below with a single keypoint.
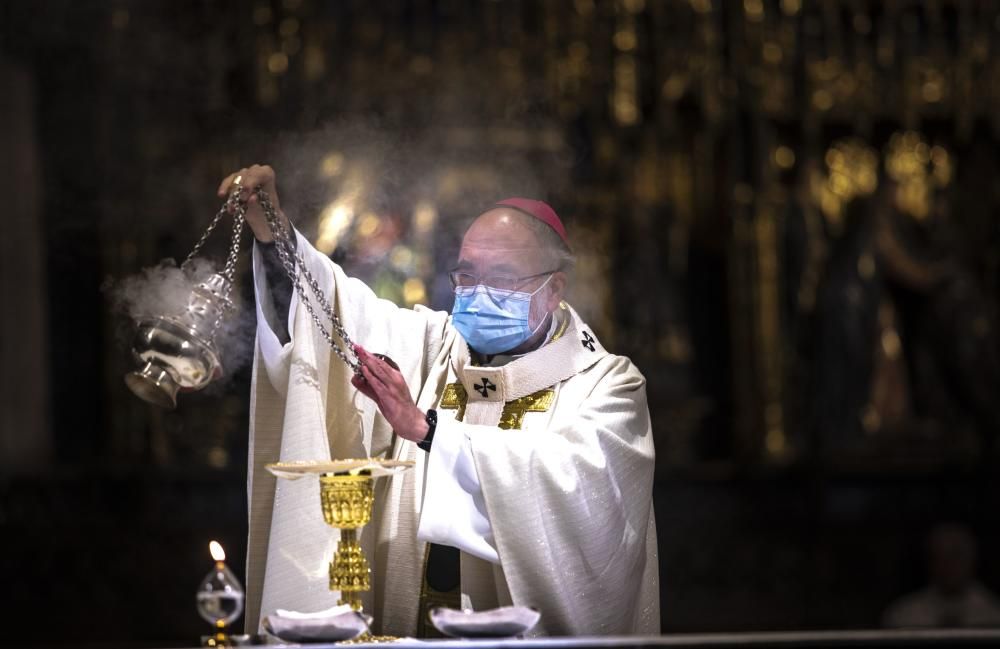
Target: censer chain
[
  {"x": 237, "y": 207},
  {"x": 229, "y": 271},
  {"x": 289, "y": 259},
  {"x": 232, "y": 204}
]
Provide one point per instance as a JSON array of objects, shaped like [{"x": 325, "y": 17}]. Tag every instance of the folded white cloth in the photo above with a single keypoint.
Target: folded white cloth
[
  {"x": 337, "y": 623},
  {"x": 503, "y": 622}
]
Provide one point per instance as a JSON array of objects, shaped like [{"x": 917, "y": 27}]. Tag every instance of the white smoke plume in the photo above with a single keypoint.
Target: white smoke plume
[{"x": 164, "y": 290}]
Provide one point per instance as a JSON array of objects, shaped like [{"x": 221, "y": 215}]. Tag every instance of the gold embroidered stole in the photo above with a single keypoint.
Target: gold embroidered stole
[{"x": 455, "y": 397}]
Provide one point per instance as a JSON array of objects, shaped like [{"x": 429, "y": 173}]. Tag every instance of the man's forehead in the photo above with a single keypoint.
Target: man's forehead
[
  {"x": 502, "y": 226},
  {"x": 498, "y": 256},
  {"x": 487, "y": 247},
  {"x": 497, "y": 236}
]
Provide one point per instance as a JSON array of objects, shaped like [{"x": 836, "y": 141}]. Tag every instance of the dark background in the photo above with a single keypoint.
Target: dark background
[{"x": 811, "y": 294}]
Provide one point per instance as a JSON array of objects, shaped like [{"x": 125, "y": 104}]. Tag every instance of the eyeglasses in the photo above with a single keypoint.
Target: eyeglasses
[{"x": 498, "y": 286}]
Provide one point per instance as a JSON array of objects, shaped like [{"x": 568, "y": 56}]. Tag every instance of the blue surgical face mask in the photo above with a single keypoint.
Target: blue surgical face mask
[{"x": 493, "y": 321}]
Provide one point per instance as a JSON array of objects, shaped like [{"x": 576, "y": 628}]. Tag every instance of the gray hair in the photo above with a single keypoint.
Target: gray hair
[{"x": 556, "y": 250}]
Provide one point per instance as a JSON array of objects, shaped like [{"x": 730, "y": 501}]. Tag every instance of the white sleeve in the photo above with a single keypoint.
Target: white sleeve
[
  {"x": 454, "y": 511},
  {"x": 409, "y": 336},
  {"x": 275, "y": 356}
]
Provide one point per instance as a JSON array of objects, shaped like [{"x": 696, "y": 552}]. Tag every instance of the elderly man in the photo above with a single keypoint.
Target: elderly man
[{"x": 532, "y": 443}]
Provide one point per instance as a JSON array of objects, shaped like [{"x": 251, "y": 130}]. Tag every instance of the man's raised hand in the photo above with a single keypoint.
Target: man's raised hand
[{"x": 251, "y": 177}]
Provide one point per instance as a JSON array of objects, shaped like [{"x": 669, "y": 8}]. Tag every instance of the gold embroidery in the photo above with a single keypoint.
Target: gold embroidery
[
  {"x": 513, "y": 411},
  {"x": 454, "y": 398}
]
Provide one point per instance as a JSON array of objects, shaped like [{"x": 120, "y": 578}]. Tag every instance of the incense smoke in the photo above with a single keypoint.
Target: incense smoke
[
  {"x": 164, "y": 290},
  {"x": 157, "y": 290}
]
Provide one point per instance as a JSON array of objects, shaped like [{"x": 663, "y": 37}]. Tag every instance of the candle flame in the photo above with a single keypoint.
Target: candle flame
[{"x": 217, "y": 552}]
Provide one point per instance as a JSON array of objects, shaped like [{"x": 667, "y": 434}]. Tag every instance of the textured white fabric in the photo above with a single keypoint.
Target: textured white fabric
[
  {"x": 303, "y": 407},
  {"x": 567, "y": 497},
  {"x": 273, "y": 354},
  {"x": 454, "y": 512}
]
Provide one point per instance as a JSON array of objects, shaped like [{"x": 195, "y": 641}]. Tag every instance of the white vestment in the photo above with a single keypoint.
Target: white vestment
[{"x": 554, "y": 511}]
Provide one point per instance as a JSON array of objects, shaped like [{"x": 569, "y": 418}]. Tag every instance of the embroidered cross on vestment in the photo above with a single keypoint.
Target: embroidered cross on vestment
[{"x": 456, "y": 398}]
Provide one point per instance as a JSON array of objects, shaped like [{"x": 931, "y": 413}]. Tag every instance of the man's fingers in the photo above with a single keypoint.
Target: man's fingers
[
  {"x": 227, "y": 181},
  {"x": 364, "y": 379},
  {"x": 250, "y": 177},
  {"x": 259, "y": 175},
  {"x": 391, "y": 377},
  {"x": 366, "y": 358},
  {"x": 376, "y": 367},
  {"x": 243, "y": 176},
  {"x": 374, "y": 381},
  {"x": 221, "y": 191},
  {"x": 380, "y": 368},
  {"x": 367, "y": 362},
  {"x": 364, "y": 387}
]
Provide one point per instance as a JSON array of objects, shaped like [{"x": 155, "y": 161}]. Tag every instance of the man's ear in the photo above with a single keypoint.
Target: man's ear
[{"x": 558, "y": 285}]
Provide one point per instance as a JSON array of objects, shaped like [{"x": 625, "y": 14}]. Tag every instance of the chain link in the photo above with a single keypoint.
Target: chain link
[
  {"x": 229, "y": 271},
  {"x": 289, "y": 258},
  {"x": 232, "y": 204},
  {"x": 234, "y": 246}
]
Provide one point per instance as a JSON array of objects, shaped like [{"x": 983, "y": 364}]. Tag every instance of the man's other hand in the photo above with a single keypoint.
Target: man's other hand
[{"x": 385, "y": 385}]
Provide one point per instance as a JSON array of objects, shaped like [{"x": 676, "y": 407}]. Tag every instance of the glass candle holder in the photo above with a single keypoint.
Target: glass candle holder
[{"x": 220, "y": 598}]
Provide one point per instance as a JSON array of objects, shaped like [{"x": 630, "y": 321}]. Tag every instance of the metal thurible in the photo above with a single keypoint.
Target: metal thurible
[{"x": 178, "y": 351}]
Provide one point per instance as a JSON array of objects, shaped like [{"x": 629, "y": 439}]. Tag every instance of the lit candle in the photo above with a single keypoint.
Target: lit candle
[
  {"x": 217, "y": 553},
  {"x": 220, "y": 597}
]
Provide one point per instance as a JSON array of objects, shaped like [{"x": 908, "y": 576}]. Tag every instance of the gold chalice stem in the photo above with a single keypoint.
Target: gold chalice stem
[
  {"x": 347, "y": 505},
  {"x": 349, "y": 571}
]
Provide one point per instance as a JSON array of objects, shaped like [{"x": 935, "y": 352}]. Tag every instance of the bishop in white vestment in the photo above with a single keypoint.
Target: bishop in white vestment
[{"x": 535, "y": 480}]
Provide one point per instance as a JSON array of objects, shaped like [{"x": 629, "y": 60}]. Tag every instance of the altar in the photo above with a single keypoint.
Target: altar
[{"x": 898, "y": 639}]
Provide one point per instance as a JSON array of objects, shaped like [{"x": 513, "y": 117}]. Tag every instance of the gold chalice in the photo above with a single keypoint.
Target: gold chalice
[
  {"x": 346, "y": 489},
  {"x": 347, "y": 505}
]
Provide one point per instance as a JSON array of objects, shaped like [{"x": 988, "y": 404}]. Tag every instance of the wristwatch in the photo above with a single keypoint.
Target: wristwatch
[{"x": 432, "y": 421}]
